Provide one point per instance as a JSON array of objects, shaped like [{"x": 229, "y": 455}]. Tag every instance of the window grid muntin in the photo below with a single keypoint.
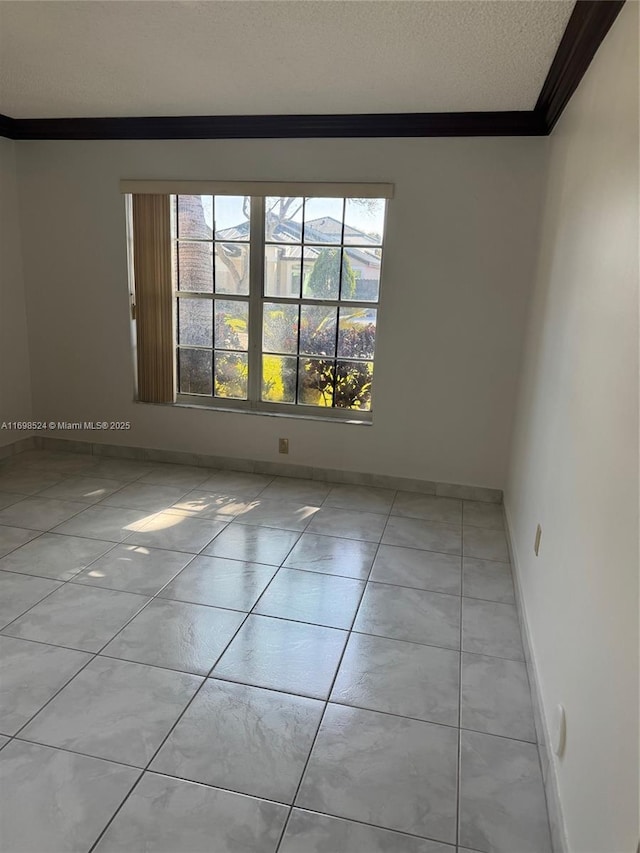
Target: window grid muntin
[
  {"x": 334, "y": 362},
  {"x": 213, "y": 349},
  {"x": 179, "y": 239},
  {"x": 179, "y": 370},
  {"x": 187, "y": 239},
  {"x": 255, "y": 298},
  {"x": 302, "y": 300},
  {"x": 335, "y": 359}
]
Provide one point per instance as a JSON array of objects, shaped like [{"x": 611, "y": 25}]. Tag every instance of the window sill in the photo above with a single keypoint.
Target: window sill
[{"x": 360, "y": 419}]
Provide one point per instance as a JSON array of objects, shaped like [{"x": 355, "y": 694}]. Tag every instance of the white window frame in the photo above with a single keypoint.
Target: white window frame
[{"x": 258, "y": 192}]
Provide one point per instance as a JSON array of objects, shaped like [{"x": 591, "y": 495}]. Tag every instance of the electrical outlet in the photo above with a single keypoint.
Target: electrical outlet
[
  {"x": 283, "y": 445},
  {"x": 559, "y": 731},
  {"x": 536, "y": 544}
]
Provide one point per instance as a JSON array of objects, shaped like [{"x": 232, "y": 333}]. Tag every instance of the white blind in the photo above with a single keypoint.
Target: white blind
[{"x": 286, "y": 189}]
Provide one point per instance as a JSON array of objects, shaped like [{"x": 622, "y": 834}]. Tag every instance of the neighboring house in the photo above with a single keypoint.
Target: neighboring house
[
  {"x": 283, "y": 258},
  {"x": 282, "y": 264}
]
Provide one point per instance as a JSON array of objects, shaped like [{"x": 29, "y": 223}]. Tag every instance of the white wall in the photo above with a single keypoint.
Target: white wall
[
  {"x": 15, "y": 380},
  {"x": 574, "y": 460},
  {"x": 460, "y": 247}
]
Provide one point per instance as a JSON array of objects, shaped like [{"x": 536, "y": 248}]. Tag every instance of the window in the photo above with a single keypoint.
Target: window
[
  {"x": 212, "y": 286},
  {"x": 276, "y": 300}
]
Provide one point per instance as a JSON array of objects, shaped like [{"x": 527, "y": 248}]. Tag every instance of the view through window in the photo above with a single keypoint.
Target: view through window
[{"x": 276, "y": 300}]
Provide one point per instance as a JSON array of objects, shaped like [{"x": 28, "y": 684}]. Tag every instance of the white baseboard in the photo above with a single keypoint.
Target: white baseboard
[
  {"x": 18, "y": 446},
  {"x": 282, "y": 469},
  {"x": 557, "y": 827}
]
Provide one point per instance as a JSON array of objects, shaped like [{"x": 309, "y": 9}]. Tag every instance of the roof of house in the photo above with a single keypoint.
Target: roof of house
[
  {"x": 316, "y": 231},
  {"x": 288, "y": 232}
]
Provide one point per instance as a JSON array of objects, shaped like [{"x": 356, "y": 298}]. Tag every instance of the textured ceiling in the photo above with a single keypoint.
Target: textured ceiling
[{"x": 225, "y": 57}]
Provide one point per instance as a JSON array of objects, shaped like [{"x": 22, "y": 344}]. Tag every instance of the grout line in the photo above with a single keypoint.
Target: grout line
[
  {"x": 74, "y": 579},
  {"x": 213, "y": 788},
  {"x": 449, "y": 846},
  {"x": 459, "y": 738},
  {"x": 35, "y": 604},
  {"x": 318, "y": 574},
  {"x": 177, "y": 721},
  {"x": 151, "y": 596},
  {"x": 219, "y": 788},
  {"x": 263, "y": 616},
  {"x": 60, "y": 583},
  {"x": 12, "y": 550},
  {"x": 163, "y": 741},
  {"x": 49, "y": 645},
  {"x": 115, "y": 545},
  {"x": 22, "y": 739},
  {"x": 233, "y": 519},
  {"x": 169, "y": 733},
  {"x": 160, "y": 597},
  {"x": 330, "y": 691},
  {"x": 459, "y": 775},
  {"x": 94, "y": 655},
  {"x": 431, "y": 591},
  {"x": 116, "y": 812},
  {"x": 51, "y": 698},
  {"x": 211, "y": 675},
  {"x": 18, "y": 498},
  {"x": 104, "y": 501},
  {"x": 58, "y": 523},
  {"x": 287, "y": 820}
]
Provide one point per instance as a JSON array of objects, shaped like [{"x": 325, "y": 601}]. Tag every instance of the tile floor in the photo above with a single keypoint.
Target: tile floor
[{"x": 196, "y": 660}]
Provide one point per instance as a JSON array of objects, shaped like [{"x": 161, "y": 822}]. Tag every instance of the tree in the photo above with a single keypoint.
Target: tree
[
  {"x": 195, "y": 264},
  {"x": 323, "y": 281},
  {"x": 353, "y": 385},
  {"x": 231, "y": 373},
  {"x": 345, "y": 383},
  {"x": 327, "y": 378},
  {"x": 278, "y": 211}
]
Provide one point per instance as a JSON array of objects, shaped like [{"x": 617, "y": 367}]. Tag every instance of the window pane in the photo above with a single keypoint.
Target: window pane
[
  {"x": 353, "y": 385},
  {"x": 321, "y": 273},
  {"x": 195, "y": 217},
  {"x": 361, "y": 275},
  {"x": 318, "y": 330},
  {"x": 357, "y": 332},
  {"x": 195, "y": 267},
  {"x": 195, "y": 326},
  {"x": 279, "y": 327},
  {"x": 279, "y": 378},
  {"x": 315, "y": 382},
  {"x": 364, "y": 221},
  {"x": 316, "y": 250},
  {"x": 282, "y": 271},
  {"x": 232, "y": 268},
  {"x": 194, "y": 371},
  {"x": 232, "y": 324},
  {"x": 323, "y": 220},
  {"x": 233, "y": 214},
  {"x": 231, "y": 375},
  {"x": 283, "y": 220}
]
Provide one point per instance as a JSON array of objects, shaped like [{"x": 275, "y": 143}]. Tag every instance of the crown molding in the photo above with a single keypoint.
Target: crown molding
[
  {"x": 524, "y": 123},
  {"x": 7, "y": 126},
  {"x": 588, "y": 25}
]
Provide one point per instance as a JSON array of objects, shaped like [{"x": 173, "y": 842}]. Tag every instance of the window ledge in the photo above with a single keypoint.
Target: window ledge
[{"x": 358, "y": 420}]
